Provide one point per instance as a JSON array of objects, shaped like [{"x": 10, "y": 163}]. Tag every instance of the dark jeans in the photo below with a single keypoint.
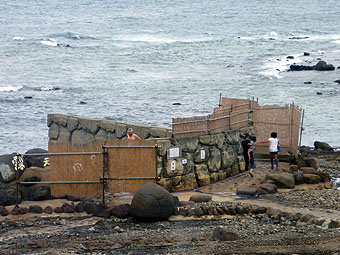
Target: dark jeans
[
  {"x": 246, "y": 159},
  {"x": 252, "y": 160}
]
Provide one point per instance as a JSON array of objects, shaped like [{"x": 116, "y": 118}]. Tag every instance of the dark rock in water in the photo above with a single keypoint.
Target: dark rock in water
[
  {"x": 82, "y": 102},
  {"x": 323, "y": 146},
  {"x": 323, "y": 66},
  {"x": 35, "y": 209},
  {"x": 152, "y": 202},
  {"x": 8, "y": 195},
  {"x": 307, "y": 82},
  {"x": 176, "y": 104},
  {"x": 290, "y": 57},
  {"x": 28, "y": 97},
  {"x": 121, "y": 211},
  {"x": 40, "y": 193},
  {"x": 318, "y": 93},
  {"x": 38, "y": 161},
  {"x": 295, "y": 67},
  {"x": 48, "y": 209},
  {"x": 306, "y": 54},
  {"x": 224, "y": 234},
  {"x": 337, "y": 81},
  {"x": 298, "y": 37}
]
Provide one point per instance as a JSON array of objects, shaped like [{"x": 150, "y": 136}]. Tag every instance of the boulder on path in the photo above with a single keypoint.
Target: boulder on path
[
  {"x": 200, "y": 198},
  {"x": 38, "y": 161},
  {"x": 269, "y": 188},
  {"x": 324, "y": 177},
  {"x": 282, "y": 179},
  {"x": 248, "y": 191},
  {"x": 311, "y": 178},
  {"x": 35, "y": 209},
  {"x": 323, "y": 146},
  {"x": 152, "y": 202}
]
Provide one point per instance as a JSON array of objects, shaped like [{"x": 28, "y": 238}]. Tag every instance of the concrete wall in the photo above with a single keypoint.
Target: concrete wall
[
  {"x": 223, "y": 158},
  {"x": 223, "y": 151},
  {"x": 80, "y": 130}
]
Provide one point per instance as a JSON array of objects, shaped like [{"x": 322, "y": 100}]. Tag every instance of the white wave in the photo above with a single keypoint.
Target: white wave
[
  {"x": 274, "y": 66},
  {"x": 325, "y": 37},
  {"x": 336, "y": 41},
  {"x": 268, "y": 36},
  {"x": 50, "y": 42},
  {"x": 10, "y": 88},
  {"x": 159, "y": 39},
  {"x": 18, "y": 38}
]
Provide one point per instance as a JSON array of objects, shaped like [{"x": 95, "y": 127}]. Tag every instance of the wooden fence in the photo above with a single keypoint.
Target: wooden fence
[
  {"x": 236, "y": 113},
  {"x": 230, "y": 115},
  {"x": 284, "y": 120}
]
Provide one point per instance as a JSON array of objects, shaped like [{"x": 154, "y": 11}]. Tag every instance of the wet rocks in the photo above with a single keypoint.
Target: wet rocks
[
  {"x": 320, "y": 66},
  {"x": 322, "y": 146}
]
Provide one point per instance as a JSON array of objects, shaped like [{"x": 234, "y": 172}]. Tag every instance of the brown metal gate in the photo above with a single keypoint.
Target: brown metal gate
[
  {"x": 123, "y": 165},
  {"x": 132, "y": 160}
]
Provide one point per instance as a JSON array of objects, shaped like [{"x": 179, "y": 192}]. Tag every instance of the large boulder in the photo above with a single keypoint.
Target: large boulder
[
  {"x": 323, "y": 146},
  {"x": 269, "y": 188},
  {"x": 311, "y": 162},
  {"x": 36, "y": 173},
  {"x": 311, "y": 178},
  {"x": 323, "y": 66},
  {"x": 8, "y": 195},
  {"x": 247, "y": 191},
  {"x": 7, "y": 172},
  {"x": 282, "y": 179},
  {"x": 38, "y": 161},
  {"x": 152, "y": 202},
  {"x": 324, "y": 177}
]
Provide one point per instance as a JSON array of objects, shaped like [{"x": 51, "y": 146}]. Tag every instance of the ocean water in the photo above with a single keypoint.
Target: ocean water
[{"x": 131, "y": 60}]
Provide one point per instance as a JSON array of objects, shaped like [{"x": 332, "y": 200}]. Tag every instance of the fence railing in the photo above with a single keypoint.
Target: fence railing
[{"x": 18, "y": 162}]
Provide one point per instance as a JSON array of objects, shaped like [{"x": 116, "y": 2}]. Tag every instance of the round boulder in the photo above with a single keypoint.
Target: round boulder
[
  {"x": 38, "y": 161},
  {"x": 323, "y": 146},
  {"x": 282, "y": 179},
  {"x": 152, "y": 202}
]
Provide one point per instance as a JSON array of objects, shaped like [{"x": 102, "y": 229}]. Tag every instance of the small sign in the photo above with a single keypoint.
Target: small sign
[
  {"x": 184, "y": 161},
  {"x": 173, "y": 165},
  {"x": 174, "y": 152},
  {"x": 202, "y": 154}
]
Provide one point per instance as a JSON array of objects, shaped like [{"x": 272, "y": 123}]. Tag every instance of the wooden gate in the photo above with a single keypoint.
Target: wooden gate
[{"x": 130, "y": 159}]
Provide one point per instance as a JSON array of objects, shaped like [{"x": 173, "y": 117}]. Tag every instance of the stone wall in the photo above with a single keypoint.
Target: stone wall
[
  {"x": 223, "y": 158},
  {"x": 223, "y": 151},
  {"x": 80, "y": 130}
]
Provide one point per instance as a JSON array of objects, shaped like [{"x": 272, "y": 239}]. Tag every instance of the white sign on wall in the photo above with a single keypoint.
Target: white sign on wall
[
  {"x": 202, "y": 154},
  {"x": 174, "y": 152}
]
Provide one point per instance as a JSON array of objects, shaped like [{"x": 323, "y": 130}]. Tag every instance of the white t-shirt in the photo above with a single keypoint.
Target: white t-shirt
[{"x": 273, "y": 142}]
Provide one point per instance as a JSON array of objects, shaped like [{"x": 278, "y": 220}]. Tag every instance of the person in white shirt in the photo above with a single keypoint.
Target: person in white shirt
[{"x": 273, "y": 150}]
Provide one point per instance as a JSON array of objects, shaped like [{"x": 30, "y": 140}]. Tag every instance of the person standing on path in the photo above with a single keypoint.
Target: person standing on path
[
  {"x": 273, "y": 149},
  {"x": 246, "y": 146}
]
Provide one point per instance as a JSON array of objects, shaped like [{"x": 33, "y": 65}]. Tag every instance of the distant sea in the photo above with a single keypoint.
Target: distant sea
[{"x": 131, "y": 60}]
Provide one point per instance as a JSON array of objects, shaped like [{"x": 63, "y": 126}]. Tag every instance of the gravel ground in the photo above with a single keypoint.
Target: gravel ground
[{"x": 258, "y": 235}]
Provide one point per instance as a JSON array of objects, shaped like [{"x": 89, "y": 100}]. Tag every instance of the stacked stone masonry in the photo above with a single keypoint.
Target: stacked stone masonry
[{"x": 222, "y": 151}]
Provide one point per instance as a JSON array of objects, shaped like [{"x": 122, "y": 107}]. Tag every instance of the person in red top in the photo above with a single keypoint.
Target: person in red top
[{"x": 131, "y": 135}]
